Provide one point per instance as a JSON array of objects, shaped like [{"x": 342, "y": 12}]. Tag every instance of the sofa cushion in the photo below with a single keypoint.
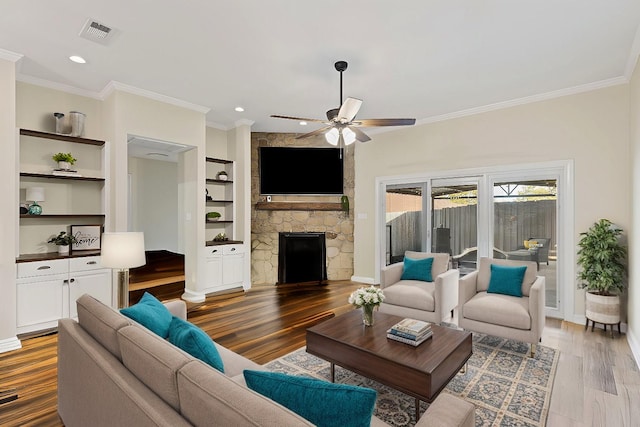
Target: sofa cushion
[
  {"x": 101, "y": 322},
  {"x": 323, "y": 403},
  {"x": 440, "y": 261},
  {"x": 151, "y": 314},
  {"x": 153, "y": 361},
  {"x": 498, "y": 309},
  {"x": 506, "y": 280},
  {"x": 417, "y": 269},
  {"x": 411, "y": 293},
  {"x": 195, "y": 341},
  {"x": 208, "y": 397},
  {"x": 484, "y": 273}
]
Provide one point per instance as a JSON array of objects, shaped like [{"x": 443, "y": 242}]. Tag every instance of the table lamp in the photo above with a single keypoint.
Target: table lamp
[
  {"x": 35, "y": 194},
  {"x": 122, "y": 251}
]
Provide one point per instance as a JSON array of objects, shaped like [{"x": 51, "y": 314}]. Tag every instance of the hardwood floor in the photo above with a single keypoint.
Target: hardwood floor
[{"x": 597, "y": 383}]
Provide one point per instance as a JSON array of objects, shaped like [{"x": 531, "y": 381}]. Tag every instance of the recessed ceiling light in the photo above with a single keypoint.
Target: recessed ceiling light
[
  {"x": 239, "y": 109},
  {"x": 303, "y": 123},
  {"x": 78, "y": 59}
]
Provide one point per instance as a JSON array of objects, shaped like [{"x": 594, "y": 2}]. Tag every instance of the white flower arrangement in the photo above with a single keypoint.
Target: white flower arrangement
[{"x": 370, "y": 296}]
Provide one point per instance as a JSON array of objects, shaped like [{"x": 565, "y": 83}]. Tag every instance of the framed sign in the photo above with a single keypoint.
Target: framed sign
[{"x": 87, "y": 237}]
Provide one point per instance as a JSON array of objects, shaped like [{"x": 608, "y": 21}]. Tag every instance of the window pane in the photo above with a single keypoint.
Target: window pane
[
  {"x": 525, "y": 227},
  {"x": 404, "y": 221}
]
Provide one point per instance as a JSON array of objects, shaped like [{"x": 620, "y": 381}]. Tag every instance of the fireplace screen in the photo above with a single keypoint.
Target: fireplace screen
[{"x": 302, "y": 257}]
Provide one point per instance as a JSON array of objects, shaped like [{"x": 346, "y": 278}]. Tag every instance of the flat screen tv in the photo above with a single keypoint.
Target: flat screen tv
[{"x": 301, "y": 170}]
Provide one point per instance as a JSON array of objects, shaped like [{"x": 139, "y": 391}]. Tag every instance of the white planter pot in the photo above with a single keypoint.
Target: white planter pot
[
  {"x": 63, "y": 250},
  {"x": 603, "y": 309},
  {"x": 64, "y": 165}
]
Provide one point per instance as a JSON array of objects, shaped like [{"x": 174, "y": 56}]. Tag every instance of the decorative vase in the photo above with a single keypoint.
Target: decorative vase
[
  {"x": 367, "y": 315},
  {"x": 63, "y": 249},
  {"x": 64, "y": 165}
]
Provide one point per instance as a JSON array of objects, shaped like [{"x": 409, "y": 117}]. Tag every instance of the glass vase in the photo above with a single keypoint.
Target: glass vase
[{"x": 367, "y": 315}]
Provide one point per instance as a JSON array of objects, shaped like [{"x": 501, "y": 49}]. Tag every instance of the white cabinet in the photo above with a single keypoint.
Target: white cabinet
[
  {"x": 224, "y": 267},
  {"x": 48, "y": 290}
]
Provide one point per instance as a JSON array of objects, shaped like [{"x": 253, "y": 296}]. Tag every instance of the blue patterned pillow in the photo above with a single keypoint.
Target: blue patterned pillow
[
  {"x": 194, "y": 341},
  {"x": 417, "y": 269},
  {"x": 323, "y": 403},
  {"x": 151, "y": 314},
  {"x": 506, "y": 280}
]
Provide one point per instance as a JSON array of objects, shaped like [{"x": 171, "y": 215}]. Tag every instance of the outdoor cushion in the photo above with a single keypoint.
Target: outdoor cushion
[
  {"x": 513, "y": 313},
  {"x": 323, "y": 403},
  {"x": 411, "y": 293},
  {"x": 417, "y": 269},
  {"x": 151, "y": 314},
  {"x": 195, "y": 341},
  {"x": 506, "y": 280}
]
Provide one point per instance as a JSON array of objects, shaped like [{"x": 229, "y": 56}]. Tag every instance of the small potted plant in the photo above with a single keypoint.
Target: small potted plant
[
  {"x": 213, "y": 216},
  {"x": 65, "y": 160},
  {"x": 64, "y": 241},
  {"x": 601, "y": 259}
]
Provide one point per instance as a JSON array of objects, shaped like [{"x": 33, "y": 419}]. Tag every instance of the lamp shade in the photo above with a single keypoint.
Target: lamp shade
[
  {"x": 332, "y": 136},
  {"x": 348, "y": 135},
  {"x": 123, "y": 250},
  {"x": 35, "y": 194}
]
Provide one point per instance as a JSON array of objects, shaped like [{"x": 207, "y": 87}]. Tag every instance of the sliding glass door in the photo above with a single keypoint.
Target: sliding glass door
[{"x": 404, "y": 219}]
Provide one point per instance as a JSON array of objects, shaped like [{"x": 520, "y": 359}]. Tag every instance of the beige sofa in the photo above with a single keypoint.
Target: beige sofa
[
  {"x": 114, "y": 372},
  {"x": 517, "y": 318},
  {"x": 427, "y": 301}
]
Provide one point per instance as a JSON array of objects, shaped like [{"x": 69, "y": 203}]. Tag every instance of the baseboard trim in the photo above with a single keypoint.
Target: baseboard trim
[
  {"x": 360, "y": 279},
  {"x": 634, "y": 345},
  {"x": 10, "y": 344}
]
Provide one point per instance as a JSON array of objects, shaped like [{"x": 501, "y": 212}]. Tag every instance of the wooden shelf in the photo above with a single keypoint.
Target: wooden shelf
[
  {"x": 224, "y": 221},
  {"x": 50, "y": 176},
  {"x": 298, "y": 206},
  {"x": 219, "y": 181},
  {"x": 219, "y": 201},
  {"x": 49, "y": 216},
  {"x": 223, "y": 242},
  {"x": 58, "y": 137},
  {"x": 221, "y": 161},
  {"x": 48, "y": 256}
]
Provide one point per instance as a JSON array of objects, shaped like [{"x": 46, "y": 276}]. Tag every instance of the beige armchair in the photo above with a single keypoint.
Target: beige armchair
[
  {"x": 517, "y": 318},
  {"x": 416, "y": 299}
]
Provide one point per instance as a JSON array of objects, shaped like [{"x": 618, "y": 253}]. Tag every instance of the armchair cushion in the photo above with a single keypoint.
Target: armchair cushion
[
  {"x": 440, "y": 261},
  {"x": 513, "y": 312},
  {"x": 417, "y": 269},
  {"x": 411, "y": 293},
  {"x": 484, "y": 273},
  {"x": 506, "y": 280}
]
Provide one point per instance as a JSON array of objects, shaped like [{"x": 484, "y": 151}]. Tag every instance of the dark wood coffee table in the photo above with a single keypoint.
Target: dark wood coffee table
[{"x": 421, "y": 372}]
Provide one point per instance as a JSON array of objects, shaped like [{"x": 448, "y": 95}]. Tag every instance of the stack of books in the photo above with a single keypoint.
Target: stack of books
[
  {"x": 65, "y": 172},
  {"x": 410, "y": 331}
]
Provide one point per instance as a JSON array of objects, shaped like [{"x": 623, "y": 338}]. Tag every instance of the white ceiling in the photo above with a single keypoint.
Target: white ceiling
[{"x": 414, "y": 58}]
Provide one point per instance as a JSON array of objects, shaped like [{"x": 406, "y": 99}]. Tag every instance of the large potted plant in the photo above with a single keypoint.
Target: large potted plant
[{"x": 601, "y": 259}]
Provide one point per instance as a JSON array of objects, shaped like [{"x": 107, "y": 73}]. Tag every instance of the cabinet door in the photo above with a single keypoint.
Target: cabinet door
[
  {"x": 213, "y": 268},
  {"x": 232, "y": 266},
  {"x": 39, "y": 302},
  {"x": 96, "y": 283}
]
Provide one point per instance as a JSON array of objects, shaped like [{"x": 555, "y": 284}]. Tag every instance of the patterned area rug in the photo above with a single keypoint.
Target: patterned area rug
[{"x": 507, "y": 387}]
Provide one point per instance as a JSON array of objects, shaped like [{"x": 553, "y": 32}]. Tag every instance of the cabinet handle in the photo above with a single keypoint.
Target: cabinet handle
[
  {"x": 214, "y": 251},
  {"x": 233, "y": 249},
  {"x": 91, "y": 262},
  {"x": 65, "y": 281},
  {"x": 72, "y": 280},
  {"x": 44, "y": 267}
]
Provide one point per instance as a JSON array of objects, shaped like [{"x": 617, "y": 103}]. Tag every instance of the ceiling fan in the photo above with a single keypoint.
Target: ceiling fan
[{"x": 341, "y": 126}]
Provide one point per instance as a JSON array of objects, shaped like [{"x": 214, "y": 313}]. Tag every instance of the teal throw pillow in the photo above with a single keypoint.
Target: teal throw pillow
[
  {"x": 417, "y": 269},
  {"x": 151, "y": 314},
  {"x": 506, "y": 280},
  {"x": 323, "y": 403},
  {"x": 195, "y": 341}
]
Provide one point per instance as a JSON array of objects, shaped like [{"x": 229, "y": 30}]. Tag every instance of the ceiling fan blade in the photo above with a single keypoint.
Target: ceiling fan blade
[
  {"x": 360, "y": 136},
  {"x": 315, "y": 132},
  {"x": 349, "y": 109},
  {"x": 297, "y": 118},
  {"x": 385, "y": 122}
]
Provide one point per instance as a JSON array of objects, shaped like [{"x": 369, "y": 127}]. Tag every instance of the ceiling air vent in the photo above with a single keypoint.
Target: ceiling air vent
[{"x": 97, "y": 32}]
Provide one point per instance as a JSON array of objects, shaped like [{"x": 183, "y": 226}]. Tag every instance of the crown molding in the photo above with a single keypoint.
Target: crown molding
[
  {"x": 114, "y": 85},
  {"x": 57, "y": 86},
  {"x": 218, "y": 126},
  {"x": 244, "y": 122},
  {"x": 10, "y": 56},
  {"x": 526, "y": 100}
]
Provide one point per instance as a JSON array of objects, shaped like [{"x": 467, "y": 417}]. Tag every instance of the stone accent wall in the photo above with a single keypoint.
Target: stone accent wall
[{"x": 266, "y": 224}]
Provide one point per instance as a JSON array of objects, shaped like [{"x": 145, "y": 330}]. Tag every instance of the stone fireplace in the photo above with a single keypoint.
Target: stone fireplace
[{"x": 318, "y": 214}]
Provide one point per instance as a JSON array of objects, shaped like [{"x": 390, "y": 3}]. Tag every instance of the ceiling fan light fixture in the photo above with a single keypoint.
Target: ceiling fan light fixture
[
  {"x": 349, "y": 136},
  {"x": 332, "y": 136}
]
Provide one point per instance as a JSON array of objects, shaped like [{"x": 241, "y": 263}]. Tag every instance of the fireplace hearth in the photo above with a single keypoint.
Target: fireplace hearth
[{"x": 302, "y": 257}]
